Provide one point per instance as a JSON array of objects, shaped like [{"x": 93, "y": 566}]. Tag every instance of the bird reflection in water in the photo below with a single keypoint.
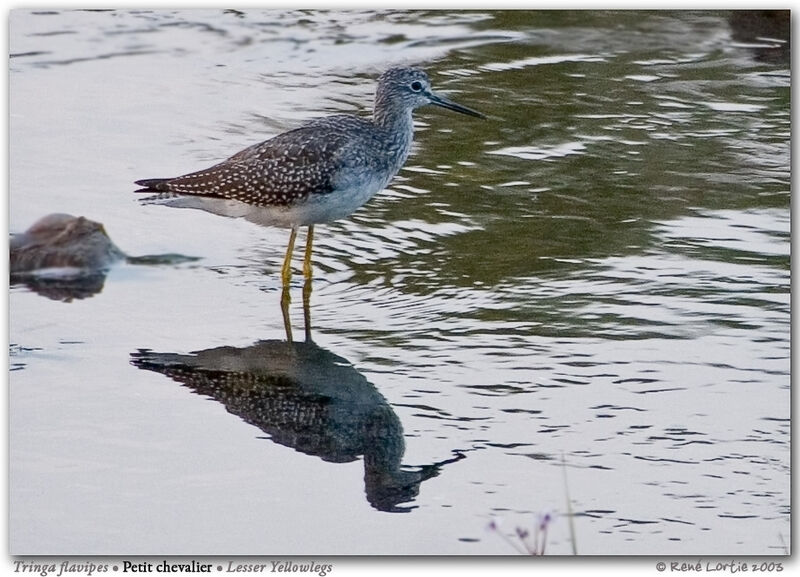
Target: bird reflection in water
[{"x": 307, "y": 398}]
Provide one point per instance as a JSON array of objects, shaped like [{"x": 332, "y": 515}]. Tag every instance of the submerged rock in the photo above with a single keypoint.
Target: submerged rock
[
  {"x": 64, "y": 257},
  {"x": 63, "y": 241}
]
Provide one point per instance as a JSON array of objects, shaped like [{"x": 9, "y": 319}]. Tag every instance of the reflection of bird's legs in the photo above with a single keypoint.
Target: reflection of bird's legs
[
  {"x": 307, "y": 273},
  {"x": 286, "y": 270},
  {"x": 307, "y": 309},
  {"x": 287, "y": 323}
]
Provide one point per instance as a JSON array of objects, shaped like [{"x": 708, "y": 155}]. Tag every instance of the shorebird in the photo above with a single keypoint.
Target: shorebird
[{"x": 318, "y": 173}]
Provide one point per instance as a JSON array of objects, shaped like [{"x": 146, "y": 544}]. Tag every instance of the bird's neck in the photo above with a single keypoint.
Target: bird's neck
[
  {"x": 399, "y": 126},
  {"x": 389, "y": 116}
]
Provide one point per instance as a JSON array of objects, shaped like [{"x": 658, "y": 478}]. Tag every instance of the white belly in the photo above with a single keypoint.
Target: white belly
[{"x": 317, "y": 208}]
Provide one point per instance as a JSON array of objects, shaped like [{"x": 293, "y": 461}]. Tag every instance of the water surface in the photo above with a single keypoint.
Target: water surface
[{"x": 585, "y": 295}]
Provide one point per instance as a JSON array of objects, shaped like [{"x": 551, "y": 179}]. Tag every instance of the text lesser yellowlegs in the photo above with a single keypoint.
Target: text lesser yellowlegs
[{"x": 320, "y": 172}]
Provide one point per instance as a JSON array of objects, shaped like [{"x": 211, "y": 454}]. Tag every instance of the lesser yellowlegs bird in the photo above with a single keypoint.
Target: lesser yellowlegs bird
[{"x": 320, "y": 172}]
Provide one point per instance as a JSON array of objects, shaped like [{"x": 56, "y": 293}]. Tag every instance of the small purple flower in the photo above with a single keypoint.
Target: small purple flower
[{"x": 527, "y": 542}]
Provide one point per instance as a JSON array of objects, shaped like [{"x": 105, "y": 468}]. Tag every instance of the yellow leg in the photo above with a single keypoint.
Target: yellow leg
[
  {"x": 307, "y": 260},
  {"x": 286, "y": 271}
]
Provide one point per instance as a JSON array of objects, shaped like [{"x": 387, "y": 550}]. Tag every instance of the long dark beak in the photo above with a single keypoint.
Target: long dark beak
[{"x": 447, "y": 103}]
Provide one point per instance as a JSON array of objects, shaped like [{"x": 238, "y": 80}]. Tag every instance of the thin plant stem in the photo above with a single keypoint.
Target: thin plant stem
[{"x": 570, "y": 516}]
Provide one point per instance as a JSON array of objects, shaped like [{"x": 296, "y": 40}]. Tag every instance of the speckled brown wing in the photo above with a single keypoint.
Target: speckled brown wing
[{"x": 280, "y": 171}]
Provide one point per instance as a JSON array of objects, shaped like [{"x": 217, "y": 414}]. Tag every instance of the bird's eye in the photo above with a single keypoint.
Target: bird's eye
[{"x": 416, "y": 86}]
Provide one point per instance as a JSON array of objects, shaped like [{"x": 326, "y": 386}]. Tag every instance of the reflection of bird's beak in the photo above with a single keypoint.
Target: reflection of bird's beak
[{"x": 447, "y": 103}]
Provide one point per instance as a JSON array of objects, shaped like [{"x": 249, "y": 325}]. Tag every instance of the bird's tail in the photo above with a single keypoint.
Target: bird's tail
[{"x": 153, "y": 185}]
